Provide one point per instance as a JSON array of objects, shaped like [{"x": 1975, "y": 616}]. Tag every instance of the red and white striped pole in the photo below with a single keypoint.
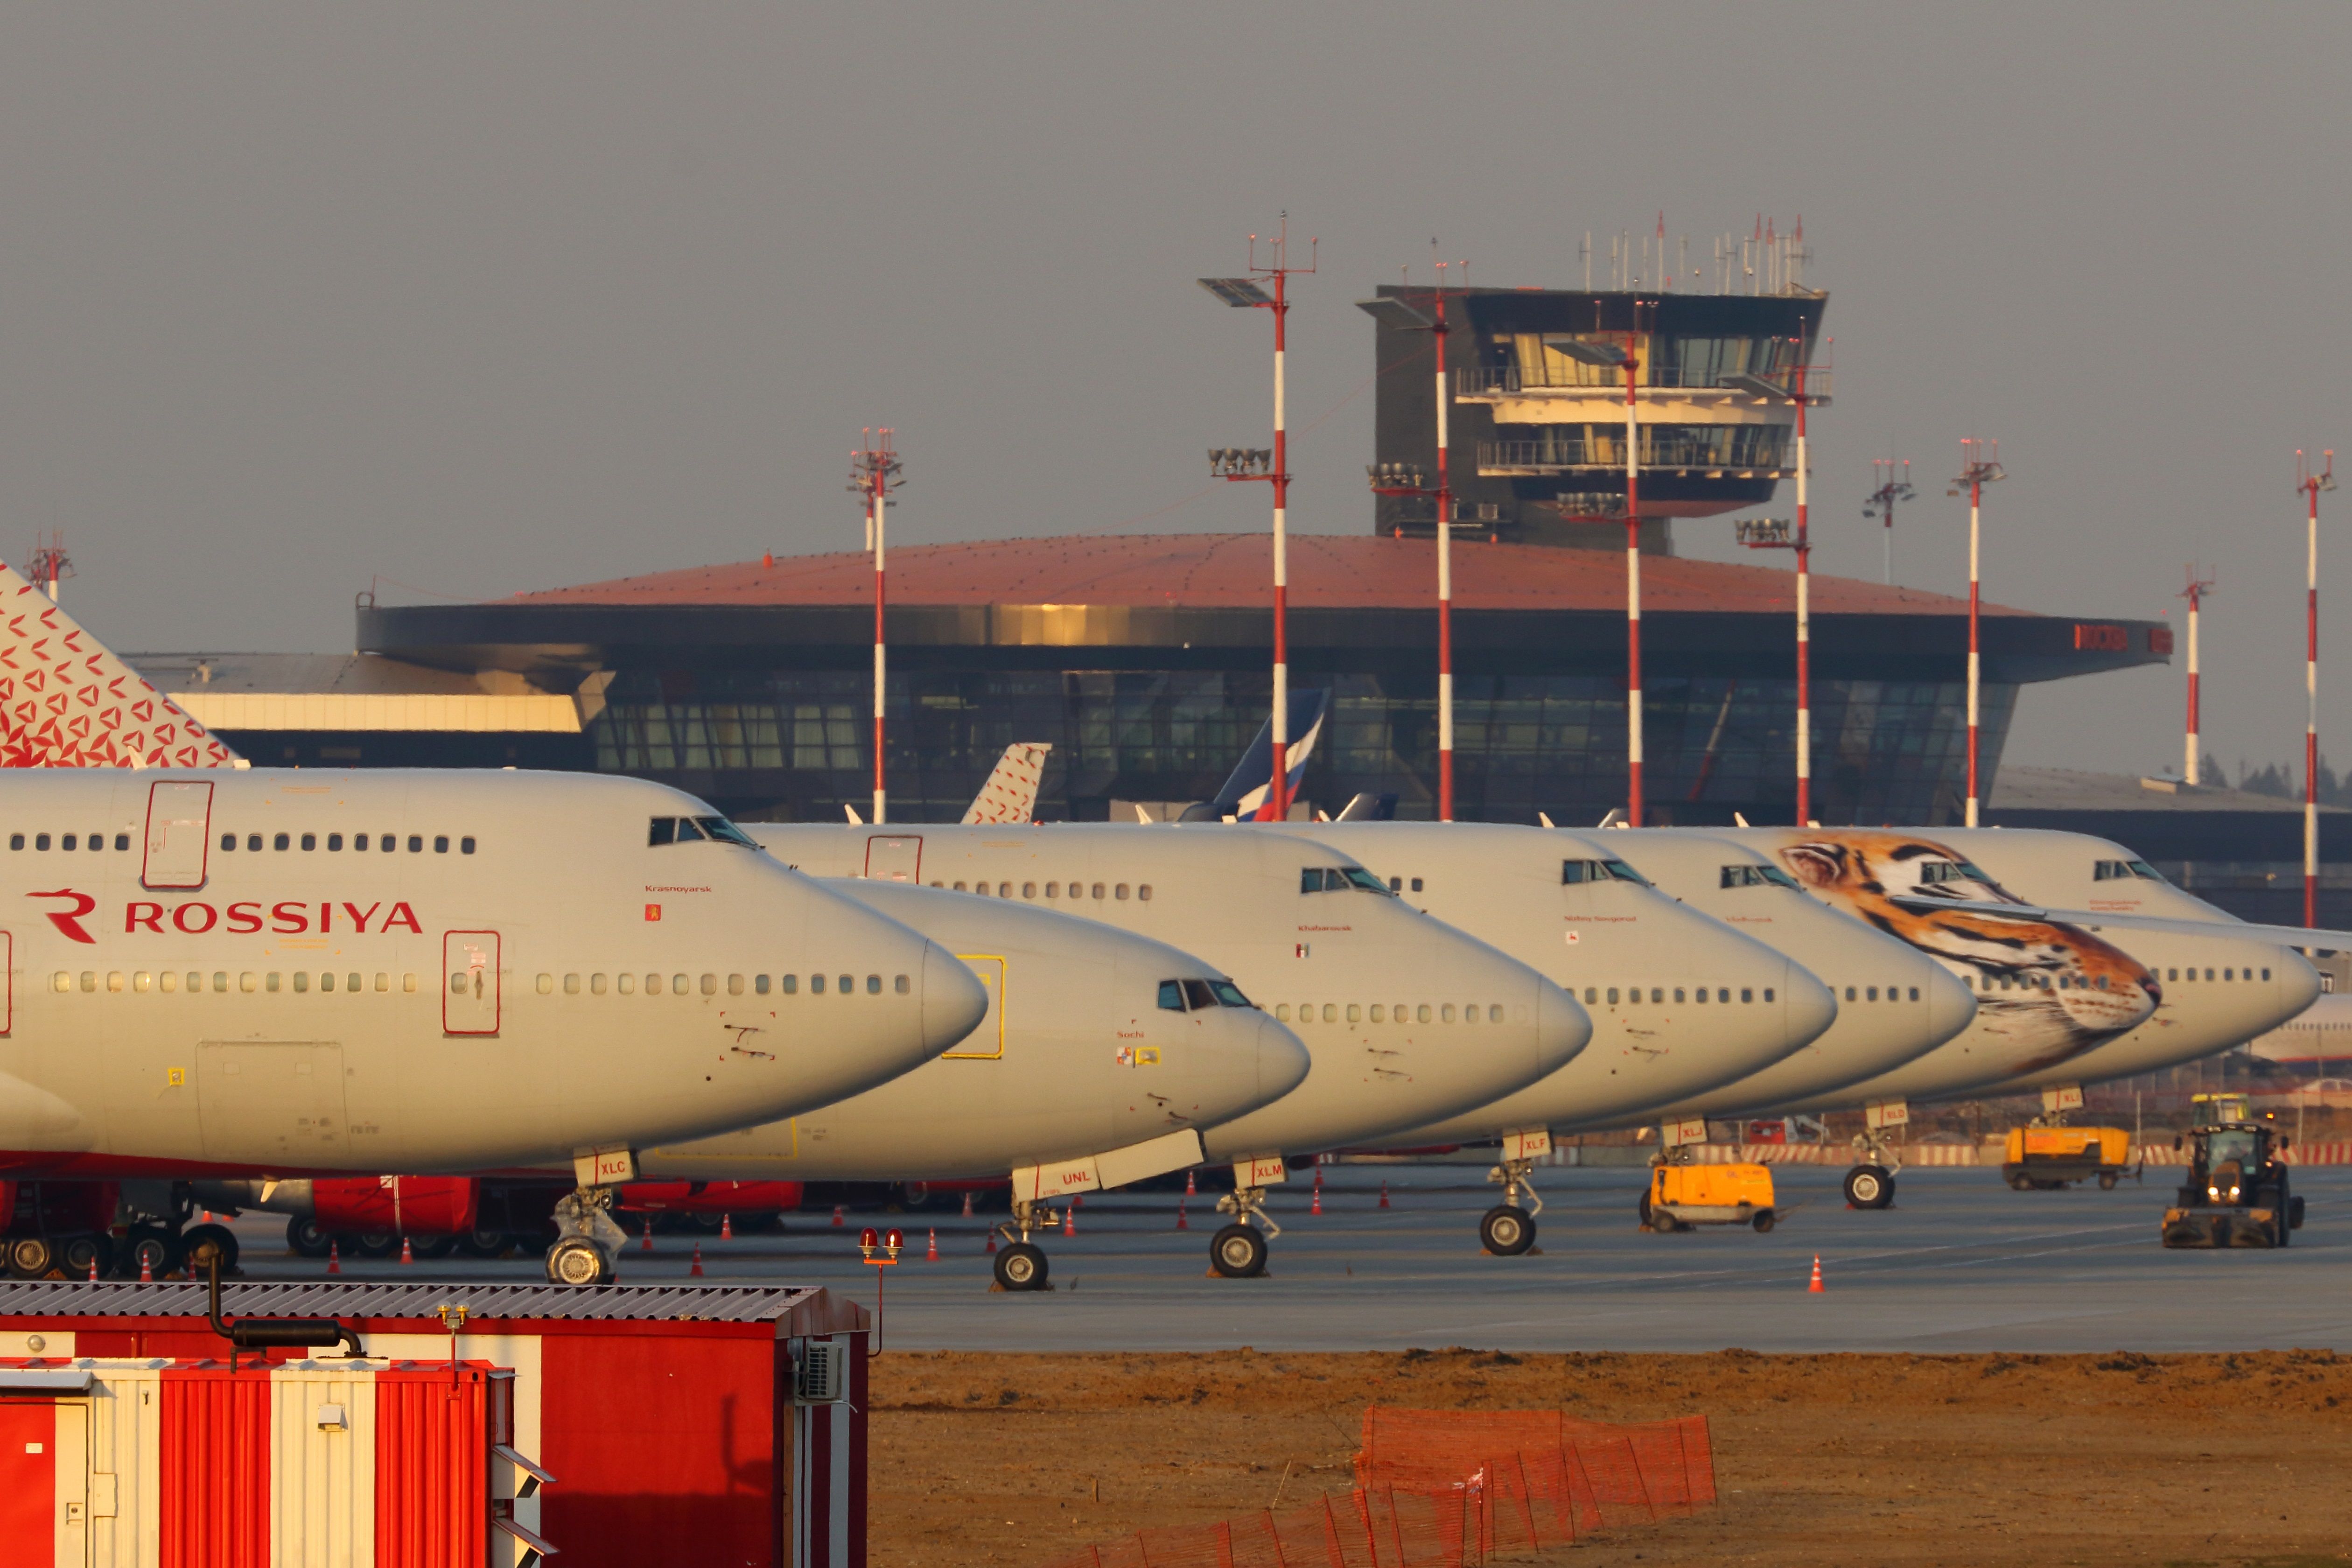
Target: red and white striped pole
[
  {"x": 1981, "y": 465},
  {"x": 1805, "y": 618},
  {"x": 1632, "y": 592},
  {"x": 873, "y": 474},
  {"x": 2311, "y": 484},
  {"x": 1444, "y": 578},
  {"x": 2191, "y": 764},
  {"x": 1279, "y": 788}
]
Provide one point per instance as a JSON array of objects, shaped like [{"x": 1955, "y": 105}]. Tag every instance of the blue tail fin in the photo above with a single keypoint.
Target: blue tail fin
[{"x": 1246, "y": 794}]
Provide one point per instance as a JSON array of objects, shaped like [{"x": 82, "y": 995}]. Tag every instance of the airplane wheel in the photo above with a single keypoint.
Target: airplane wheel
[
  {"x": 1869, "y": 1187},
  {"x": 30, "y": 1256},
  {"x": 432, "y": 1246},
  {"x": 151, "y": 1249},
  {"x": 1506, "y": 1231},
  {"x": 77, "y": 1256},
  {"x": 376, "y": 1243},
  {"x": 305, "y": 1237},
  {"x": 482, "y": 1242},
  {"x": 573, "y": 1261},
  {"x": 217, "y": 1236},
  {"x": 1022, "y": 1267},
  {"x": 1238, "y": 1252}
]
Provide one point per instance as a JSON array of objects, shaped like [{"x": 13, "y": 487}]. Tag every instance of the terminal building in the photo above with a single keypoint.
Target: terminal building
[{"x": 1144, "y": 660}]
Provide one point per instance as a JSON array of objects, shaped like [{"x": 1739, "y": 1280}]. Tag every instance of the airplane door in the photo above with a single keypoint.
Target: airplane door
[
  {"x": 469, "y": 1005},
  {"x": 271, "y": 1102},
  {"x": 895, "y": 858},
  {"x": 987, "y": 1037},
  {"x": 179, "y": 834}
]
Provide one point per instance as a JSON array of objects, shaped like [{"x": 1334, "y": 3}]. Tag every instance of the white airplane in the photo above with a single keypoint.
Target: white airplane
[
  {"x": 266, "y": 974},
  {"x": 1406, "y": 1018},
  {"x": 2064, "y": 996},
  {"x": 1009, "y": 793},
  {"x": 1102, "y": 1057},
  {"x": 1568, "y": 906},
  {"x": 2318, "y": 1039}
]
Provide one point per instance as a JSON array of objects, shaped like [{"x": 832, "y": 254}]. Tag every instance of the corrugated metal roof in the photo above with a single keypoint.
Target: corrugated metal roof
[
  {"x": 1225, "y": 571},
  {"x": 364, "y": 1299}
]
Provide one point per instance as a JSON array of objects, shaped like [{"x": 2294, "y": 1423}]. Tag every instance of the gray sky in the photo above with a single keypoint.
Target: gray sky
[{"x": 488, "y": 299}]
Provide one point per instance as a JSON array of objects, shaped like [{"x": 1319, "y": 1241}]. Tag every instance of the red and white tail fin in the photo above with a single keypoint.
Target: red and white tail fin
[
  {"x": 1011, "y": 793},
  {"x": 67, "y": 701}
]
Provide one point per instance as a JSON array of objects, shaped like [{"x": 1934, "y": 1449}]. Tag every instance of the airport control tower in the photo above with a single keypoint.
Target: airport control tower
[{"x": 1538, "y": 434}]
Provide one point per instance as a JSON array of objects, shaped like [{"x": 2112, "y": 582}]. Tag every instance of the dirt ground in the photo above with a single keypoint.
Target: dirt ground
[{"x": 2015, "y": 1460}]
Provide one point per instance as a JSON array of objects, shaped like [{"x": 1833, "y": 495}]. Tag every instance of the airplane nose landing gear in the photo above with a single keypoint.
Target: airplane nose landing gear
[
  {"x": 1508, "y": 1228},
  {"x": 1238, "y": 1251},
  {"x": 1022, "y": 1265},
  {"x": 587, "y": 1244}
]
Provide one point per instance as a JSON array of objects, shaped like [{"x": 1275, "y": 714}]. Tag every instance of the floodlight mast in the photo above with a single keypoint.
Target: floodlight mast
[
  {"x": 1980, "y": 465},
  {"x": 2198, "y": 587},
  {"x": 1891, "y": 489},
  {"x": 873, "y": 474},
  {"x": 1609, "y": 355},
  {"x": 2311, "y": 483},
  {"x": 1243, "y": 294},
  {"x": 1397, "y": 480},
  {"x": 49, "y": 563},
  {"x": 1776, "y": 537}
]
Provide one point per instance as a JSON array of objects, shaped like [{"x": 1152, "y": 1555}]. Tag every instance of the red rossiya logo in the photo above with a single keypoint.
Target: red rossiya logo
[{"x": 69, "y": 921}]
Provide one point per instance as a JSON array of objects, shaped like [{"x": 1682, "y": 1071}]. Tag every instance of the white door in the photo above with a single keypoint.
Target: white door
[
  {"x": 179, "y": 834},
  {"x": 470, "y": 997},
  {"x": 895, "y": 858}
]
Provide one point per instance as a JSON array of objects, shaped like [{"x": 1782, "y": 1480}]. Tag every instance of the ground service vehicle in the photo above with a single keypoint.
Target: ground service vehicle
[
  {"x": 1680, "y": 1196},
  {"x": 2054, "y": 1157},
  {"x": 2236, "y": 1194}
]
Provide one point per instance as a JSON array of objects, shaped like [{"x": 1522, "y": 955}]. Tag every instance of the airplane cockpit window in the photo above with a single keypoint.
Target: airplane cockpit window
[
  {"x": 1756, "y": 877},
  {"x": 1338, "y": 880},
  {"x": 1572, "y": 872},
  {"x": 1194, "y": 995},
  {"x": 662, "y": 831},
  {"x": 1934, "y": 871}
]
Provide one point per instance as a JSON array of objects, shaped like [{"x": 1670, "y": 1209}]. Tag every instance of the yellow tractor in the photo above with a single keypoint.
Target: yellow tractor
[
  {"x": 1681, "y": 1197},
  {"x": 2236, "y": 1194}
]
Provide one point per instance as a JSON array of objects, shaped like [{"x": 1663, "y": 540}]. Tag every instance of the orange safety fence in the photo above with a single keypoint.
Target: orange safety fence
[
  {"x": 1447, "y": 1489},
  {"x": 1638, "y": 1470}
]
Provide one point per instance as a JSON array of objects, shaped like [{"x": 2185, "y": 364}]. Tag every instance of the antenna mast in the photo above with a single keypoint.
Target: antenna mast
[
  {"x": 873, "y": 475},
  {"x": 2198, "y": 587}
]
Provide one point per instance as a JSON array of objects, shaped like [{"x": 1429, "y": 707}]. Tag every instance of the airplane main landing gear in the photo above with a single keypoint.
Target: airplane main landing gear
[
  {"x": 587, "y": 1243},
  {"x": 1238, "y": 1251},
  {"x": 1508, "y": 1228},
  {"x": 1870, "y": 1185},
  {"x": 1022, "y": 1265}
]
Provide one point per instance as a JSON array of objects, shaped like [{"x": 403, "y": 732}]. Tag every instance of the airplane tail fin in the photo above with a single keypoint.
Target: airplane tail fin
[
  {"x": 1011, "y": 793},
  {"x": 67, "y": 702},
  {"x": 1246, "y": 794}
]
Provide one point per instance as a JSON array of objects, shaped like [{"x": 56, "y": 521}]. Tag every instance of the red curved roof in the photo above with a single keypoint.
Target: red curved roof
[{"x": 1230, "y": 571}]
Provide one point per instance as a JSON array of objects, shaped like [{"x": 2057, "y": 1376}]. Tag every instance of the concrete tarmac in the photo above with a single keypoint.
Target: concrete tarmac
[{"x": 1959, "y": 1264}]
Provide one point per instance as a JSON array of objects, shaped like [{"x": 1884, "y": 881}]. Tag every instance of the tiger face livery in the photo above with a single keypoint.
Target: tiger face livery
[{"x": 2048, "y": 991}]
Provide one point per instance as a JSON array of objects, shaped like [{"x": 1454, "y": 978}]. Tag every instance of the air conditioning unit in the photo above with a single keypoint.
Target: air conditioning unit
[{"x": 824, "y": 1373}]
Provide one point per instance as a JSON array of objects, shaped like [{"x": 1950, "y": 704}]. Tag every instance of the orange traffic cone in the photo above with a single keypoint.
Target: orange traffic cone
[
  {"x": 1318, "y": 1173},
  {"x": 696, "y": 1272},
  {"x": 992, "y": 1241},
  {"x": 837, "y": 1216},
  {"x": 334, "y": 1258},
  {"x": 1384, "y": 1192},
  {"x": 1317, "y": 1206},
  {"x": 1070, "y": 1220},
  {"x": 146, "y": 1271},
  {"x": 931, "y": 1251},
  {"x": 1189, "y": 1190},
  {"x": 1182, "y": 1223},
  {"x": 727, "y": 1227},
  {"x": 407, "y": 1257},
  {"x": 645, "y": 1243},
  {"x": 967, "y": 1205},
  {"x": 1815, "y": 1288}
]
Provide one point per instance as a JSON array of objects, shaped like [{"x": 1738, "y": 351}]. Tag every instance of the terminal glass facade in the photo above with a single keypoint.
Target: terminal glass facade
[{"x": 795, "y": 745}]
